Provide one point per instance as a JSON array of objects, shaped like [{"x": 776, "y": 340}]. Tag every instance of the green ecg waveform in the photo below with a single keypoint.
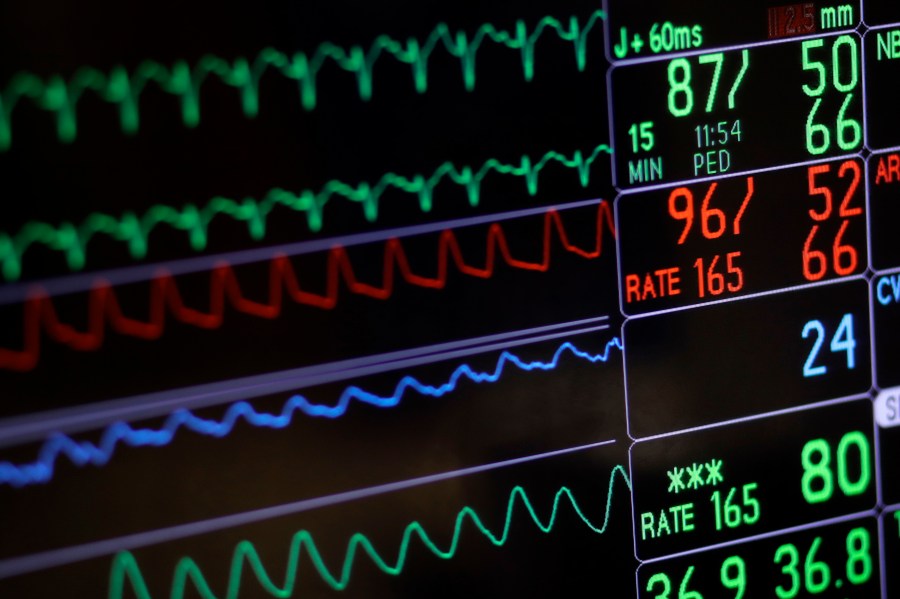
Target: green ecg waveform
[
  {"x": 123, "y": 88},
  {"x": 72, "y": 240},
  {"x": 125, "y": 568}
]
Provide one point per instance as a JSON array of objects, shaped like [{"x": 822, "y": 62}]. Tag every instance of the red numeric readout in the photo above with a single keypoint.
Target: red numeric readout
[
  {"x": 792, "y": 19},
  {"x": 712, "y": 281},
  {"x": 715, "y": 276},
  {"x": 844, "y": 257},
  {"x": 713, "y": 221},
  {"x": 739, "y": 235}
]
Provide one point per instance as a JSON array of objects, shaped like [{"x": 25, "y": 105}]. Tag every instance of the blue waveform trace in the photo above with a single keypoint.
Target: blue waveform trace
[{"x": 82, "y": 453}]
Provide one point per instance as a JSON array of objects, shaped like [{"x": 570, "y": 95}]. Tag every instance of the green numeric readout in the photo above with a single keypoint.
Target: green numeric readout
[
  {"x": 836, "y": 561},
  {"x": 891, "y": 550},
  {"x": 681, "y": 93},
  {"x": 819, "y": 474},
  {"x": 842, "y": 79},
  {"x": 733, "y": 575},
  {"x": 731, "y": 512},
  {"x": 800, "y": 99},
  {"x": 686, "y": 497}
]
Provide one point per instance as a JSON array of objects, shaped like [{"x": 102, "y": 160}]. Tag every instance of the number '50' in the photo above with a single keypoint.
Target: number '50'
[{"x": 844, "y": 81}]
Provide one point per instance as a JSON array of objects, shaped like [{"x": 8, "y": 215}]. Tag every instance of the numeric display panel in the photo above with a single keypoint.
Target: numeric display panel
[{"x": 704, "y": 115}]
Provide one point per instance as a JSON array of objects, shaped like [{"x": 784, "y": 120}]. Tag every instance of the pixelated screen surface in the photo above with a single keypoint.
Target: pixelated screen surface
[{"x": 404, "y": 299}]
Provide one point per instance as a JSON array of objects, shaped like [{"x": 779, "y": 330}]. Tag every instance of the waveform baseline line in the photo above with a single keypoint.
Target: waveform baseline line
[
  {"x": 72, "y": 240},
  {"x": 37, "y": 426},
  {"x": 16, "y": 292},
  {"x": 44, "y": 560},
  {"x": 104, "y": 310},
  {"x": 125, "y": 567},
  {"x": 82, "y": 453},
  {"x": 123, "y": 89}
]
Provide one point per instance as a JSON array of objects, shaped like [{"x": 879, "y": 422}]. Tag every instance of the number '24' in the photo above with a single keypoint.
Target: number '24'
[{"x": 843, "y": 340}]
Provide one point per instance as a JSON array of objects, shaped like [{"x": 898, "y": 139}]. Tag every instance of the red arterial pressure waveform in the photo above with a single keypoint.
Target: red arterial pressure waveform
[{"x": 105, "y": 312}]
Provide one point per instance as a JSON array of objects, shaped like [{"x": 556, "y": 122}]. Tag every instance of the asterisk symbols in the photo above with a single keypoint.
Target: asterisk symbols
[
  {"x": 695, "y": 471},
  {"x": 675, "y": 476},
  {"x": 695, "y": 476},
  {"x": 714, "y": 472}
]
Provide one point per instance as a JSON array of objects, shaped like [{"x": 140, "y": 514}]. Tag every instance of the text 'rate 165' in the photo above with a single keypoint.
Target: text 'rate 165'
[{"x": 741, "y": 235}]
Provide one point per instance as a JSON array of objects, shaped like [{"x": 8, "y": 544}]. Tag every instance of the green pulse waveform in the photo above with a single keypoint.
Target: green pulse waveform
[
  {"x": 72, "y": 240},
  {"x": 123, "y": 88},
  {"x": 126, "y": 569}
]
